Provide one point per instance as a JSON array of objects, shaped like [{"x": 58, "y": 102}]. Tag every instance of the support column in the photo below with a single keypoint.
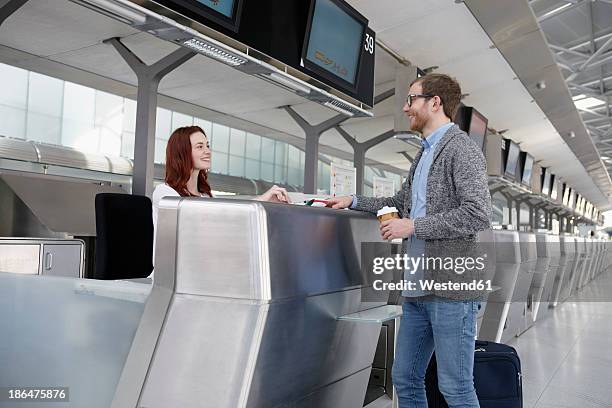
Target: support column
[
  {"x": 8, "y": 7},
  {"x": 149, "y": 77},
  {"x": 359, "y": 151},
  {"x": 313, "y": 134}
]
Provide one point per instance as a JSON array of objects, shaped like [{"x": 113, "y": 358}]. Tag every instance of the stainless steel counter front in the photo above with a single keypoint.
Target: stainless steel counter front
[{"x": 245, "y": 305}]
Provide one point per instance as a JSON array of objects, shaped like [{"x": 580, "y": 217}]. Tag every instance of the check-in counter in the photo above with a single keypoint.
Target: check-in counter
[
  {"x": 567, "y": 246},
  {"x": 518, "y": 308},
  {"x": 253, "y": 305},
  {"x": 66, "y": 332},
  {"x": 486, "y": 239},
  {"x": 579, "y": 262},
  {"x": 589, "y": 246},
  {"x": 548, "y": 247},
  {"x": 507, "y": 265},
  {"x": 247, "y": 306},
  {"x": 538, "y": 283}
]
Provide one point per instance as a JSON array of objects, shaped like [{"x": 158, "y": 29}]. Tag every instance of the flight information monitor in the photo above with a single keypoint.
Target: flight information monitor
[
  {"x": 512, "y": 160},
  {"x": 526, "y": 180},
  {"x": 553, "y": 188},
  {"x": 546, "y": 182},
  {"x": 225, "y": 13},
  {"x": 334, "y": 41},
  {"x": 478, "y": 128}
]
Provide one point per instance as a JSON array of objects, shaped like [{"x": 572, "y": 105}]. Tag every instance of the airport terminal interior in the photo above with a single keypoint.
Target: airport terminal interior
[{"x": 260, "y": 304}]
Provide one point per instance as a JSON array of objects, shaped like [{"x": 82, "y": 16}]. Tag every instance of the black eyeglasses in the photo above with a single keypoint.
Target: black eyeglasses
[{"x": 411, "y": 97}]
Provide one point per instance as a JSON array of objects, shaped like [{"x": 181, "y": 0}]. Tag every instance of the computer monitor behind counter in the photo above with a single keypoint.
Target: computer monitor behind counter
[
  {"x": 546, "y": 182},
  {"x": 512, "y": 160}
]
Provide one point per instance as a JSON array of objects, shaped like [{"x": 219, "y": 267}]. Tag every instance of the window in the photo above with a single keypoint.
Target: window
[
  {"x": 253, "y": 146},
  {"x": 78, "y": 118},
  {"x": 220, "y": 142},
  {"x": 237, "y": 142},
  {"x": 44, "y": 108},
  {"x": 267, "y": 150}
]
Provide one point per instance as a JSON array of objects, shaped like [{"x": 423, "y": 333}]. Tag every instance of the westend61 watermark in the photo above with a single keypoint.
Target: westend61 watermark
[
  {"x": 417, "y": 266},
  {"x": 459, "y": 269}
]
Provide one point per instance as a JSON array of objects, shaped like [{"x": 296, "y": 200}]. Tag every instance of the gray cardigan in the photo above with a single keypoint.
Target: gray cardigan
[{"x": 458, "y": 201}]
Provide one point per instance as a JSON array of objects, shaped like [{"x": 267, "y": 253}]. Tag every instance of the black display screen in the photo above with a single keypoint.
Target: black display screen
[
  {"x": 553, "y": 189},
  {"x": 512, "y": 160},
  {"x": 478, "y": 128},
  {"x": 225, "y": 13},
  {"x": 546, "y": 182},
  {"x": 527, "y": 170},
  {"x": 334, "y": 40}
]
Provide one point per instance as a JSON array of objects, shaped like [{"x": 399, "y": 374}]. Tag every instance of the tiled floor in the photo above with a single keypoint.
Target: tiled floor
[{"x": 567, "y": 357}]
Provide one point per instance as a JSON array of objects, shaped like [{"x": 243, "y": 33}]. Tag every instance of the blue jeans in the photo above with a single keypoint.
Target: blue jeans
[{"x": 449, "y": 327}]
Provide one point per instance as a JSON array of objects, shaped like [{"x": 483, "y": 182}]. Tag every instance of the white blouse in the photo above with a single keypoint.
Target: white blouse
[{"x": 161, "y": 191}]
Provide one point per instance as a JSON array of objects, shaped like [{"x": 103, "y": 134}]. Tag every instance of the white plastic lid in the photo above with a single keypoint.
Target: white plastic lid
[{"x": 386, "y": 210}]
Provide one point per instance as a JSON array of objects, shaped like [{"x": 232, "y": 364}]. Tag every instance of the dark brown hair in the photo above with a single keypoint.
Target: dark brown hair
[
  {"x": 179, "y": 163},
  {"x": 446, "y": 88}
]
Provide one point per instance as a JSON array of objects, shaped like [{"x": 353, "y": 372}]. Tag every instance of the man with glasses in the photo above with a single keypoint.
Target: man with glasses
[{"x": 444, "y": 202}]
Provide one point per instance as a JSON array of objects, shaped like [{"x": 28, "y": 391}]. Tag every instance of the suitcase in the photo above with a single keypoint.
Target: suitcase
[{"x": 497, "y": 377}]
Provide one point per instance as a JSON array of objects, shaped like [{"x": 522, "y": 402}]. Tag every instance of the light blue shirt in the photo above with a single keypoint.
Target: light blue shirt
[
  {"x": 419, "y": 203},
  {"x": 418, "y": 208}
]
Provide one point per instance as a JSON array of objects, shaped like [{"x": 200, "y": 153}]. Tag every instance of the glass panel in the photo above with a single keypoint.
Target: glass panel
[
  {"x": 219, "y": 163},
  {"x": 109, "y": 121},
  {"x": 163, "y": 124},
  {"x": 180, "y": 120},
  {"x": 205, "y": 125},
  {"x": 44, "y": 108},
  {"x": 237, "y": 142},
  {"x": 267, "y": 150},
  {"x": 236, "y": 166},
  {"x": 280, "y": 174},
  {"x": 127, "y": 144},
  {"x": 281, "y": 154},
  {"x": 293, "y": 157},
  {"x": 45, "y": 95},
  {"x": 293, "y": 177},
  {"x": 324, "y": 175},
  {"x": 252, "y": 169},
  {"x": 267, "y": 172},
  {"x": 14, "y": 87},
  {"x": 43, "y": 128},
  {"x": 160, "y": 151},
  {"x": 253, "y": 146},
  {"x": 220, "y": 142},
  {"x": 129, "y": 127},
  {"x": 12, "y": 122},
  {"x": 110, "y": 142},
  {"x": 78, "y": 118}
]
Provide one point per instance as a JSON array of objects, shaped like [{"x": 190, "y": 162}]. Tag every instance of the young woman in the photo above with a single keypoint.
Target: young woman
[{"x": 188, "y": 160}]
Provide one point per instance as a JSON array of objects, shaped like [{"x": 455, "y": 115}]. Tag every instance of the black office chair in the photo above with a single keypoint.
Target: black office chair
[{"x": 124, "y": 236}]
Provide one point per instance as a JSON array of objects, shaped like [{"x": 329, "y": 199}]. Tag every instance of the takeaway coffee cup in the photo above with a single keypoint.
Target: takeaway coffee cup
[{"x": 387, "y": 213}]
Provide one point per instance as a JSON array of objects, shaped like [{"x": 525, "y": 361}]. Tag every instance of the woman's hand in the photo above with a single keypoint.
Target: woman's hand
[{"x": 275, "y": 194}]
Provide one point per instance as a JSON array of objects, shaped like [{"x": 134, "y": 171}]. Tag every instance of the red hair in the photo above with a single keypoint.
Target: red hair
[{"x": 179, "y": 163}]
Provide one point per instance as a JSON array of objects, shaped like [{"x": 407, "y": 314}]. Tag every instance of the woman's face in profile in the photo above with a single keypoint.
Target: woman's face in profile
[{"x": 200, "y": 151}]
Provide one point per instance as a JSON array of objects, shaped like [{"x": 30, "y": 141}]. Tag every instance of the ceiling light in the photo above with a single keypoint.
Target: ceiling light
[
  {"x": 553, "y": 11},
  {"x": 572, "y": 134},
  {"x": 291, "y": 83},
  {"x": 340, "y": 107},
  {"x": 587, "y": 103},
  {"x": 215, "y": 52},
  {"x": 579, "y": 97}
]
